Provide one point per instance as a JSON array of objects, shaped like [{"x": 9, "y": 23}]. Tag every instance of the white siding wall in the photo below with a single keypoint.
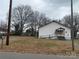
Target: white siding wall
[{"x": 50, "y": 30}]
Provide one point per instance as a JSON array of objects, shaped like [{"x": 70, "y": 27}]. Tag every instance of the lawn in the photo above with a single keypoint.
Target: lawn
[{"x": 25, "y": 44}]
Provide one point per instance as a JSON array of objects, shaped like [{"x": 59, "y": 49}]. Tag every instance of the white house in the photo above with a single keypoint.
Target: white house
[{"x": 54, "y": 29}]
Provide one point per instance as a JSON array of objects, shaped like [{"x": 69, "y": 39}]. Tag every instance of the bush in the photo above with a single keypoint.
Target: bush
[{"x": 61, "y": 37}]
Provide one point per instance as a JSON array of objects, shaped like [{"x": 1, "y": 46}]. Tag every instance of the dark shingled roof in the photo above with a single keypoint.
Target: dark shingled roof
[{"x": 55, "y": 22}]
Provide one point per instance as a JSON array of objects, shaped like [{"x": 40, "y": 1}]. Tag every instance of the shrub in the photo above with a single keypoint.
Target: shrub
[{"x": 61, "y": 37}]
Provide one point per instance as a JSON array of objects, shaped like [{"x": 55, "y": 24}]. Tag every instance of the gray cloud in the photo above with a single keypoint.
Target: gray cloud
[
  {"x": 52, "y": 8},
  {"x": 60, "y": 2}
]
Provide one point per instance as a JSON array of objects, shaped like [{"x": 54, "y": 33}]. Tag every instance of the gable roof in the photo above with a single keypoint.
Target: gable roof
[{"x": 55, "y": 22}]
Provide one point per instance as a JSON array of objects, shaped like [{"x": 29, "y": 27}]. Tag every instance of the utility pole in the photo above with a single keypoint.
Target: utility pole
[
  {"x": 9, "y": 22},
  {"x": 72, "y": 29}
]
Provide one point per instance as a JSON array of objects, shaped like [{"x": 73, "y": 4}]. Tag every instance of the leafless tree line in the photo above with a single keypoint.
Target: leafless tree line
[
  {"x": 67, "y": 21},
  {"x": 24, "y": 14}
]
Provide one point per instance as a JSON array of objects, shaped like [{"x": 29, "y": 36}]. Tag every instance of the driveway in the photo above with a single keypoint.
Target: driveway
[{"x": 10, "y": 55}]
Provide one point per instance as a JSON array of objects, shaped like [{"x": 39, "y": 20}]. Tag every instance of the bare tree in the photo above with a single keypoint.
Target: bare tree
[
  {"x": 20, "y": 15},
  {"x": 3, "y": 26},
  {"x": 38, "y": 19},
  {"x": 67, "y": 22}
]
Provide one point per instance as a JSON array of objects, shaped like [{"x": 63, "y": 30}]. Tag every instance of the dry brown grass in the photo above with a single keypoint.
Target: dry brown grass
[{"x": 34, "y": 45}]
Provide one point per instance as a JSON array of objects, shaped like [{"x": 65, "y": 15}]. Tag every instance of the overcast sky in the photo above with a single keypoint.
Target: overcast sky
[{"x": 54, "y": 9}]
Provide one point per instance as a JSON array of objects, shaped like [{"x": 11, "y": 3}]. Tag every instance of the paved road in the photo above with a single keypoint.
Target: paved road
[{"x": 10, "y": 55}]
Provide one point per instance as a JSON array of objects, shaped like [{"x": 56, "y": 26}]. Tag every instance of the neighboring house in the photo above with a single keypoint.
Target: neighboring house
[{"x": 53, "y": 30}]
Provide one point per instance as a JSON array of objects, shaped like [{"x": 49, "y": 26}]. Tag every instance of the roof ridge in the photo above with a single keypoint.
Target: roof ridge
[{"x": 55, "y": 22}]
